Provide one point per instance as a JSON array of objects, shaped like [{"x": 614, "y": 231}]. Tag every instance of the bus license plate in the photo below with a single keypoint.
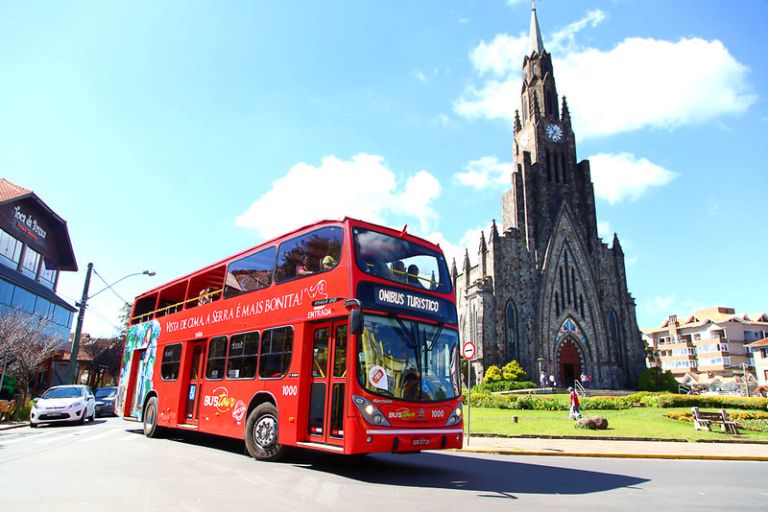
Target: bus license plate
[{"x": 421, "y": 441}]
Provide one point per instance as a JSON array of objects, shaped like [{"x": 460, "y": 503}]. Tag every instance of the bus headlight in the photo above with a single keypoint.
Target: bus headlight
[
  {"x": 370, "y": 412},
  {"x": 455, "y": 416}
]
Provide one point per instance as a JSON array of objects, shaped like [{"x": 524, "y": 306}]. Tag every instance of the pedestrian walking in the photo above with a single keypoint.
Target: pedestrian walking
[
  {"x": 552, "y": 382},
  {"x": 543, "y": 379},
  {"x": 573, "y": 399},
  {"x": 583, "y": 379}
]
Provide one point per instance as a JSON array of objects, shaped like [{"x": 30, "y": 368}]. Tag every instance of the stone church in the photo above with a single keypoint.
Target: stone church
[{"x": 546, "y": 290}]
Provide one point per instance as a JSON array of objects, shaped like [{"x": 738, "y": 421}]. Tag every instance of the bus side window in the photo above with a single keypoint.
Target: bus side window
[
  {"x": 275, "y": 354},
  {"x": 217, "y": 357}
]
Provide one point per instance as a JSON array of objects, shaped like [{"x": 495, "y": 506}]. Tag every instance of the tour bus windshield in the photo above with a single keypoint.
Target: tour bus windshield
[
  {"x": 408, "y": 360},
  {"x": 401, "y": 261}
]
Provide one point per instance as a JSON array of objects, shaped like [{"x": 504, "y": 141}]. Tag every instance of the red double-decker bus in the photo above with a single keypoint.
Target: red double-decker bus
[{"x": 340, "y": 336}]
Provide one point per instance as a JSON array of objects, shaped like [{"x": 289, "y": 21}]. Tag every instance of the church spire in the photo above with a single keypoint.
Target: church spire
[{"x": 536, "y": 46}]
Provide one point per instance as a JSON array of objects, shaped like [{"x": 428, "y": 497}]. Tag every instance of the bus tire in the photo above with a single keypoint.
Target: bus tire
[
  {"x": 150, "y": 419},
  {"x": 261, "y": 434}
]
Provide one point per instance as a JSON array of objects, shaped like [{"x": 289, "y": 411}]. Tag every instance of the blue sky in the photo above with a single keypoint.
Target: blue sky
[{"x": 170, "y": 136}]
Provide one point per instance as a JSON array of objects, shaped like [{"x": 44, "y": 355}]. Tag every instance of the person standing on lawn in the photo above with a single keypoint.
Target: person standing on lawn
[{"x": 573, "y": 398}]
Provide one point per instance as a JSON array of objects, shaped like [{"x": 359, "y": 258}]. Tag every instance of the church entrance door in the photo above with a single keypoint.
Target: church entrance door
[{"x": 570, "y": 363}]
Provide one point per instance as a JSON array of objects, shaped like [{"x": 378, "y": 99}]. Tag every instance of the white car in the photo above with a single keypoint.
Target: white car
[{"x": 62, "y": 404}]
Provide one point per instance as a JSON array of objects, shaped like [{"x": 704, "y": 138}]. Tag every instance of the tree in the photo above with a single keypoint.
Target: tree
[
  {"x": 513, "y": 371},
  {"x": 25, "y": 346},
  {"x": 106, "y": 356},
  {"x": 653, "y": 379}
]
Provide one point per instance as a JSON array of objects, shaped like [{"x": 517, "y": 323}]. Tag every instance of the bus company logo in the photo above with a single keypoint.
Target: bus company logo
[
  {"x": 220, "y": 399},
  {"x": 402, "y": 414},
  {"x": 290, "y": 390},
  {"x": 421, "y": 414},
  {"x": 238, "y": 413}
]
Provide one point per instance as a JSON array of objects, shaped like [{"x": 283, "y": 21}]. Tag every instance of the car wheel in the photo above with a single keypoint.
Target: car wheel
[
  {"x": 261, "y": 434},
  {"x": 33, "y": 425},
  {"x": 81, "y": 420},
  {"x": 92, "y": 417},
  {"x": 150, "y": 419}
]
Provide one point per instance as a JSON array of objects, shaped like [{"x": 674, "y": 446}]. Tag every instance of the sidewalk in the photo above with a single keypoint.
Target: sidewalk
[{"x": 587, "y": 447}]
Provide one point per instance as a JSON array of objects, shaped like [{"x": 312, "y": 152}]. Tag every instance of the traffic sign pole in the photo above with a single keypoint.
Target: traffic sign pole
[{"x": 468, "y": 351}]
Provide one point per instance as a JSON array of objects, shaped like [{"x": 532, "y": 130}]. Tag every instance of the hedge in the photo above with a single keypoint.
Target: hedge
[
  {"x": 483, "y": 398},
  {"x": 503, "y": 385}
]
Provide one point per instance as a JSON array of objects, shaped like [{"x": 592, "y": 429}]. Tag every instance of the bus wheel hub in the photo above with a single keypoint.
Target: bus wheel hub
[{"x": 265, "y": 432}]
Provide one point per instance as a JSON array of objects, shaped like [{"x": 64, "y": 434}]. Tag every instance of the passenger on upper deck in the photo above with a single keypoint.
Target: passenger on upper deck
[
  {"x": 398, "y": 271},
  {"x": 413, "y": 276},
  {"x": 303, "y": 268},
  {"x": 328, "y": 262}
]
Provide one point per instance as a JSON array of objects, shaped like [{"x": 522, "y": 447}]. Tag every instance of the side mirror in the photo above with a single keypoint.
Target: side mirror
[
  {"x": 355, "y": 315},
  {"x": 355, "y": 321}
]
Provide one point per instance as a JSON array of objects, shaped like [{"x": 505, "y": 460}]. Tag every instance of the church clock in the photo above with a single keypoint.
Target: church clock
[{"x": 554, "y": 132}]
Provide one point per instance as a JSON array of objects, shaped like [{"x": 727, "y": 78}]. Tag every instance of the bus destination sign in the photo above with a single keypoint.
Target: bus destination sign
[{"x": 405, "y": 302}]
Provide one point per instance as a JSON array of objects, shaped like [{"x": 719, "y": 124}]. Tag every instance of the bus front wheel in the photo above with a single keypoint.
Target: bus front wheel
[
  {"x": 261, "y": 434},
  {"x": 150, "y": 419}
]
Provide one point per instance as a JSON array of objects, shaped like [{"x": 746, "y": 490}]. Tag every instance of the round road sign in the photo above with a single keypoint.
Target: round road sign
[{"x": 468, "y": 350}]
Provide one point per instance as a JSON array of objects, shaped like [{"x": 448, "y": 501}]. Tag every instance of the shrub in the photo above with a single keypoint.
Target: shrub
[
  {"x": 492, "y": 374},
  {"x": 513, "y": 371},
  {"x": 606, "y": 403},
  {"x": 717, "y": 401},
  {"x": 21, "y": 413},
  {"x": 503, "y": 385}
]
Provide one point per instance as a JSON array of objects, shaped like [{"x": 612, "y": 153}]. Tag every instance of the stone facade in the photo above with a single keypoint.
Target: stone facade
[{"x": 546, "y": 290}]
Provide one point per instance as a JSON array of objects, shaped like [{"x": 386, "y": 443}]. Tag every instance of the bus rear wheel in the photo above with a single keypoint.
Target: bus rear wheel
[
  {"x": 261, "y": 434},
  {"x": 150, "y": 419}
]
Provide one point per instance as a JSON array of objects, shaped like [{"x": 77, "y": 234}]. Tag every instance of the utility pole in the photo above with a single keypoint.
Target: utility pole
[{"x": 73, "y": 366}]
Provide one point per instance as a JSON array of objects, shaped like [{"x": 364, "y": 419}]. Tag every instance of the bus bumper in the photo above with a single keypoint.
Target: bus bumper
[{"x": 412, "y": 440}]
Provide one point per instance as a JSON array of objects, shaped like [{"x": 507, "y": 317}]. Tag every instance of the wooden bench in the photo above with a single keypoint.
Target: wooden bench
[
  {"x": 704, "y": 420},
  {"x": 6, "y": 408}
]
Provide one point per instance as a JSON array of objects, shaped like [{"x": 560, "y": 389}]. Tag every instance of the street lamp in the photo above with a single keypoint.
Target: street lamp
[{"x": 79, "y": 326}]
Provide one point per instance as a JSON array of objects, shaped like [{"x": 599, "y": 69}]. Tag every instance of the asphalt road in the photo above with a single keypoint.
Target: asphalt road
[{"x": 110, "y": 465}]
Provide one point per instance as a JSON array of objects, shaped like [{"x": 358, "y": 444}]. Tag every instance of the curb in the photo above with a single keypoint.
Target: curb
[
  {"x": 14, "y": 425},
  {"x": 621, "y": 455}
]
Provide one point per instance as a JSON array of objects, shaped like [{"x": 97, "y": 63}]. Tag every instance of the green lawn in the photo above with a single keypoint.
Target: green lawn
[{"x": 635, "y": 422}]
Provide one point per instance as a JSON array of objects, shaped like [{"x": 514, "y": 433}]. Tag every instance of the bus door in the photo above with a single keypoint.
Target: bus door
[
  {"x": 194, "y": 382},
  {"x": 329, "y": 374}
]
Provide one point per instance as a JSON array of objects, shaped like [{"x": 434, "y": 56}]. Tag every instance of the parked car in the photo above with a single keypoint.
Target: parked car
[
  {"x": 105, "y": 401},
  {"x": 63, "y": 404}
]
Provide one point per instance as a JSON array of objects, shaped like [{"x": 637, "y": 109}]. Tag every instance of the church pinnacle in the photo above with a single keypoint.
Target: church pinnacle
[{"x": 536, "y": 46}]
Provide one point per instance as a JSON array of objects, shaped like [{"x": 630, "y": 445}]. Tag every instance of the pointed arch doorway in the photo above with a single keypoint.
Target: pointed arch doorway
[{"x": 570, "y": 362}]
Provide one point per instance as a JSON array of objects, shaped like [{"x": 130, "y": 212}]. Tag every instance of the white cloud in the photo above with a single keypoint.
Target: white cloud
[
  {"x": 515, "y": 2},
  {"x": 470, "y": 241},
  {"x": 604, "y": 229},
  {"x": 621, "y": 176},
  {"x": 487, "y": 172},
  {"x": 661, "y": 306},
  {"x": 420, "y": 76},
  {"x": 363, "y": 187},
  {"x": 640, "y": 83}
]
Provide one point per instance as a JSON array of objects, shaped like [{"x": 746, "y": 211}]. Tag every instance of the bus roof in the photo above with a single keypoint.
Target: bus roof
[{"x": 346, "y": 220}]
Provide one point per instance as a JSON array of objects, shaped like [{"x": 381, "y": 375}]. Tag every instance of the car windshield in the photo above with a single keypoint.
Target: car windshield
[
  {"x": 105, "y": 392},
  {"x": 401, "y": 261},
  {"x": 408, "y": 360},
  {"x": 66, "y": 392}
]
